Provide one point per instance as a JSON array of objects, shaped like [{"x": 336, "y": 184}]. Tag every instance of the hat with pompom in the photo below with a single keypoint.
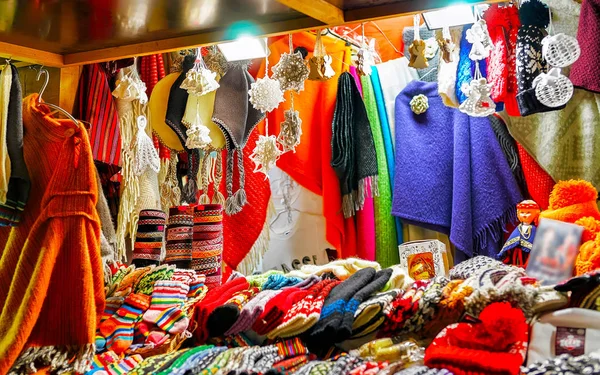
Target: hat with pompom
[
  {"x": 572, "y": 200},
  {"x": 497, "y": 344}
]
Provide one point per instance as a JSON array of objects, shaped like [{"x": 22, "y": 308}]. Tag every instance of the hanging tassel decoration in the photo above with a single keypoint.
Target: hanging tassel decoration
[
  {"x": 198, "y": 135},
  {"x": 218, "y": 197}
]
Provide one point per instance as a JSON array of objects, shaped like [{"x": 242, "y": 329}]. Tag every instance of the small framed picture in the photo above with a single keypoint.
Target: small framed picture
[
  {"x": 423, "y": 259},
  {"x": 555, "y": 248}
]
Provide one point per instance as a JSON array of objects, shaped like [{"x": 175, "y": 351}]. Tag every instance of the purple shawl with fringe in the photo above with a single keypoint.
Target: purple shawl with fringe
[{"x": 451, "y": 175}]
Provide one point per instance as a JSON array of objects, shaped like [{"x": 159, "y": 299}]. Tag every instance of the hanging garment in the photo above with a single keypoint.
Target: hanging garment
[
  {"x": 152, "y": 70},
  {"x": 385, "y": 227},
  {"x": 454, "y": 179},
  {"x": 465, "y": 71},
  {"x": 394, "y": 75},
  {"x": 18, "y": 184},
  {"x": 95, "y": 104},
  {"x": 309, "y": 165},
  {"x": 585, "y": 72},
  {"x": 365, "y": 218},
  {"x": 564, "y": 143},
  {"x": 51, "y": 283},
  {"x": 539, "y": 182}
]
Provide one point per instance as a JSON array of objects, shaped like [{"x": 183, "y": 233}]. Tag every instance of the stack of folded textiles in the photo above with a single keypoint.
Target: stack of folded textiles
[{"x": 310, "y": 321}]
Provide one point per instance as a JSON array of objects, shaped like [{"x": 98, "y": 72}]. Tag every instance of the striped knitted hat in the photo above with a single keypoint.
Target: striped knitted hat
[
  {"x": 207, "y": 242},
  {"x": 179, "y": 236},
  {"x": 149, "y": 238}
]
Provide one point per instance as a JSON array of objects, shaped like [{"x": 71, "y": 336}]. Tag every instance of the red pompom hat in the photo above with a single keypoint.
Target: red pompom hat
[{"x": 494, "y": 346}]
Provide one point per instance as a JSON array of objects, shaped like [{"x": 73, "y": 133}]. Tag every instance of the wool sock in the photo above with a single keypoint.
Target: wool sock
[
  {"x": 197, "y": 286},
  {"x": 165, "y": 310},
  {"x": 146, "y": 283},
  {"x": 118, "y": 329},
  {"x": 149, "y": 238},
  {"x": 179, "y": 236},
  {"x": 110, "y": 307},
  {"x": 157, "y": 337},
  {"x": 207, "y": 242},
  {"x": 141, "y": 330},
  {"x": 125, "y": 365}
]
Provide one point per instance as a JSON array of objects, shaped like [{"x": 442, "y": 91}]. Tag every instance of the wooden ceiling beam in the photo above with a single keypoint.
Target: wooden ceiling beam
[
  {"x": 30, "y": 55},
  {"x": 318, "y": 9}
]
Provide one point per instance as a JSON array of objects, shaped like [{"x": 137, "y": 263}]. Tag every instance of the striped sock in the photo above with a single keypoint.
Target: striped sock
[
  {"x": 125, "y": 365},
  {"x": 111, "y": 306},
  {"x": 118, "y": 329},
  {"x": 165, "y": 309}
]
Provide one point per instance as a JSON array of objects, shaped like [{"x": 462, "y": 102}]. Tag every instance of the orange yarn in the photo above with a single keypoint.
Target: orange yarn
[
  {"x": 588, "y": 258},
  {"x": 310, "y": 164},
  {"x": 51, "y": 278}
]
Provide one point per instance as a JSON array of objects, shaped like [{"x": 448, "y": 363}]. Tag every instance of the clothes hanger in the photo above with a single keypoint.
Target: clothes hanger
[
  {"x": 41, "y": 72},
  {"x": 345, "y": 39}
]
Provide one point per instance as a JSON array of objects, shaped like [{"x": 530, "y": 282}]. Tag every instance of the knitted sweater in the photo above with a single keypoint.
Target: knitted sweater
[{"x": 51, "y": 281}]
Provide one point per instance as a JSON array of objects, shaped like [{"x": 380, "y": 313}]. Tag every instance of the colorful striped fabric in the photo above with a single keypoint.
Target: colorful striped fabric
[
  {"x": 118, "y": 329},
  {"x": 95, "y": 105},
  {"x": 165, "y": 310},
  {"x": 207, "y": 243},
  {"x": 179, "y": 236}
]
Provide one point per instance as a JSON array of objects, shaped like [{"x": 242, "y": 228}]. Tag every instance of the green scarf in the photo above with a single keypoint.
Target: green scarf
[{"x": 386, "y": 242}]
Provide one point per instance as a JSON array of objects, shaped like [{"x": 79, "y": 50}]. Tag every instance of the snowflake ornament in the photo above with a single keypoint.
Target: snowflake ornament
[
  {"x": 265, "y": 154},
  {"x": 291, "y": 72},
  {"x": 266, "y": 94},
  {"x": 291, "y": 130}
]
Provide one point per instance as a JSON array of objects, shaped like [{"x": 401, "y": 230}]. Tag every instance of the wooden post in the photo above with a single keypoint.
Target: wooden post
[{"x": 69, "y": 78}]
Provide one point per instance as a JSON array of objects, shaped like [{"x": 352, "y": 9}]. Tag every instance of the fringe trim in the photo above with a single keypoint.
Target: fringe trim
[
  {"x": 368, "y": 187},
  {"x": 77, "y": 359},
  {"x": 494, "y": 229},
  {"x": 348, "y": 206},
  {"x": 260, "y": 247}
]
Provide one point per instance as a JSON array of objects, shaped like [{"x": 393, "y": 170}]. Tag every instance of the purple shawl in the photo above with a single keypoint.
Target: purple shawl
[{"x": 451, "y": 174}]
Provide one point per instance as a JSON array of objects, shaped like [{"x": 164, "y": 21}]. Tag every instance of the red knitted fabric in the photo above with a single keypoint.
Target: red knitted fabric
[
  {"x": 402, "y": 307},
  {"x": 497, "y": 62},
  {"x": 510, "y": 100},
  {"x": 276, "y": 309},
  {"x": 585, "y": 72},
  {"x": 539, "y": 182},
  {"x": 495, "y": 346},
  {"x": 215, "y": 298},
  {"x": 238, "y": 243}
]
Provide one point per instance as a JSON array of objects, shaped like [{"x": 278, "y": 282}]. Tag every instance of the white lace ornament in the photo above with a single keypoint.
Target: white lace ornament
[
  {"x": 479, "y": 37},
  {"x": 419, "y": 104},
  {"x": 266, "y": 94},
  {"x": 560, "y": 50},
  {"x": 431, "y": 48},
  {"x": 553, "y": 89},
  {"x": 265, "y": 154},
  {"x": 198, "y": 135},
  {"x": 291, "y": 130},
  {"x": 478, "y": 103},
  {"x": 199, "y": 80},
  {"x": 131, "y": 87},
  {"x": 145, "y": 153},
  {"x": 291, "y": 70}
]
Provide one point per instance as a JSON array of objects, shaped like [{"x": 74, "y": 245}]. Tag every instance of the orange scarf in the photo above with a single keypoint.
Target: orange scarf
[
  {"x": 51, "y": 278},
  {"x": 310, "y": 165}
]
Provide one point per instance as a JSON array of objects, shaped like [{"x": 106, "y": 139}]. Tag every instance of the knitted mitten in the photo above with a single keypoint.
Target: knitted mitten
[
  {"x": 125, "y": 365},
  {"x": 223, "y": 317},
  {"x": 276, "y": 309},
  {"x": 196, "y": 286},
  {"x": 165, "y": 308},
  {"x": 304, "y": 314},
  {"x": 278, "y": 281},
  {"x": 369, "y": 315},
  {"x": 252, "y": 311},
  {"x": 323, "y": 334},
  {"x": 118, "y": 329},
  {"x": 381, "y": 278}
]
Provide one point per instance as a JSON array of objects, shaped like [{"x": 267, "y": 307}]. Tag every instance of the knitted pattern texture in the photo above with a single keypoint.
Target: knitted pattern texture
[
  {"x": 36, "y": 261},
  {"x": 585, "y": 72},
  {"x": 207, "y": 242},
  {"x": 386, "y": 251},
  {"x": 149, "y": 237},
  {"x": 179, "y": 236},
  {"x": 251, "y": 311},
  {"x": 18, "y": 184},
  {"x": 353, "y": 151}
]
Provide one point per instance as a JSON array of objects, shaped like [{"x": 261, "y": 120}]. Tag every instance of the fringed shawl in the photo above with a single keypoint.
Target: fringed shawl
[{"x": 353, "y": 150}]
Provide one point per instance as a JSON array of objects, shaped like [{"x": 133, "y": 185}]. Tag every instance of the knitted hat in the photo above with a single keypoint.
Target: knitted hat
[
  {"x": 279, "y": 281},
  {"x": 251, "y": 311},
  {"x": 207, "y": 242},
  {"x": 585, "y": 72},
  {"x": 179, "y": 236},
  {"x": 149, "y": 238},
  {"x": 588, "y": 258},
  {"x": 399, "y": 279},
  {"x": 496, "y": 345},
  {"x": 341, "y": 268},
  {"x": 369, "y": 315},
  {"x": 475, "y": 266},
  {"x": 571, "y": 200},
  {"x": 237, "y": 118},
  {"x": 305, "y": 313},
  {"x": 223, "y": 317},
  {"x": 428, "y": 305},
  {"x": 377, "y": 283},
  {"x": 324, "y": 333},
  {"x": 276, "y": 309},
  {"x": 402, "y": 308},
  {"x": 530, "y": 63}
]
